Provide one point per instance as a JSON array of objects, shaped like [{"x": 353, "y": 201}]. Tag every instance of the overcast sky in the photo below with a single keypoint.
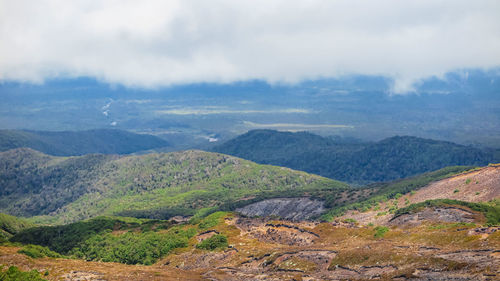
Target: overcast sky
[{"x": 159, "y": 43}]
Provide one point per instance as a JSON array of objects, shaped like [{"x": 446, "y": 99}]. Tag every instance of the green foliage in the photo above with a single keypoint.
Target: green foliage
[
  {"x": 212, "y": 220},
  {"x": 468, "y": 181},
  {"x": 10, "y": 225},
  {"x": 14, "y": 274},
  {"x": 93, "y": 239},
  {"x": 132, "y": 248},
  {"x": 217, "y": 241},
  {"x": 149, "y": 186},
  {"x": 491, "y": 210},
  {"x": 36, "y": 251},
  {"x": 380, "y": 231},
  {"x": 456, "y": 191},
  {"x": 63, "y": 238},
  {"x": 350, "y": 220},
  {"x": 353, "y": 161}
]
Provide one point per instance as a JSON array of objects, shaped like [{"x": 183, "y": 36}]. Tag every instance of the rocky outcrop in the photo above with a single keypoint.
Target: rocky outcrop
[
  {"x": 281, "y": 233},
  {"x": 438, "y": 214},
  {"x": 294, "y": 209}
]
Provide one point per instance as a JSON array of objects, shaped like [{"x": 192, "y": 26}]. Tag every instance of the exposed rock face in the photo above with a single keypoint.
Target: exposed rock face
[
  {"x": 285, "y": 234},
  {"x": 294, "y": 209},
  {"x": 442, "y": 214}
]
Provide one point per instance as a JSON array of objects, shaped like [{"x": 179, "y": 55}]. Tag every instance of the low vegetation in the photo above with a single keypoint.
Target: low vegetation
[
  {"x": 131, "y": 247},
  {"x": 215, "y": 242},
  {"x": 13, "y": 273},
  {"x": 380, "y": 231},
  {"x": 37, "y": 251},
  {"x": 116, "y": 239}
]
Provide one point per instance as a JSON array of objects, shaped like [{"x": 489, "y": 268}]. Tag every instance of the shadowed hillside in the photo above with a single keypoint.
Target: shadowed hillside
[
  {"x": 70, "y": 143},
  {"x": 353, "y": 161}
]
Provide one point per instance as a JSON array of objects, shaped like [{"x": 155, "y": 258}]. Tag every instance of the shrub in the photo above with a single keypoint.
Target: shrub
[
  {"x": 14, "y": 274},
  {"x": 36, "y": 251},
  {"x": 380, "y": 231},
  {"x": 133, "y": 248},
  {"x": 212, "y": 220},
  {"x": 217, "y": 241}
]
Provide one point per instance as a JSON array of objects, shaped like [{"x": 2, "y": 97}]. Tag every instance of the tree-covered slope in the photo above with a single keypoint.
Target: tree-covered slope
[
  {"x": 68, "y": 143},
  {"x": 389, "y": 159},
  {"x": 10, "y": 225},
  {"x": 158, "y": 185}
]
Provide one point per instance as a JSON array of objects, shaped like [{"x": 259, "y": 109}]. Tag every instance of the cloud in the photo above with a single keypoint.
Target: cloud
[{"x": 156, "y": 43}]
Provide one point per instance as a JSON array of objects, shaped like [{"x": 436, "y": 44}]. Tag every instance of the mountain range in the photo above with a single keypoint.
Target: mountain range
[
  {"x": 354, "y": 161},
  {"x": 70, "y": 143}
]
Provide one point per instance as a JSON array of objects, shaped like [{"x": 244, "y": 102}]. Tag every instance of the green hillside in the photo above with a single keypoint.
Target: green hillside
[
  {"x": 353, "y": 161},
  {"x": 67, "y": 189},
  {"x": 68, "y": 143},
  {"x": 10, "y": 225}
]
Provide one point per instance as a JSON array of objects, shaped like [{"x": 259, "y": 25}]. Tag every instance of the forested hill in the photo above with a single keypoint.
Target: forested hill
[
  {"x": 156, "y": 185},
  {"x": 353, "y": 161},
  {"x": 69, "y": 143}
]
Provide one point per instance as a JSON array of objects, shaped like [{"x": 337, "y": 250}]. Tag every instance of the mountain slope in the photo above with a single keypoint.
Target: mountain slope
[
  {"x": 479, "y": 185},
  {"x": 70, "y": 143},
  {"x": 66, "y": 189},
  {"x": 10, "y": 225},
  {"x": 389, "y": 159}
]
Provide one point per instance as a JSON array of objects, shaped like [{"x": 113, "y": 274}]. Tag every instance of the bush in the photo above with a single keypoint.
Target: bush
[
  {"x": 350, "y": 220},
  {"x": 133, "y": 248},
  {"x": 14, "y": 274},
  {"x": 36, "y": 251},
  {"x": 217, "y": 241},
  {"x": 380, "y": 231},
  {"x": 211, "y": 220}
]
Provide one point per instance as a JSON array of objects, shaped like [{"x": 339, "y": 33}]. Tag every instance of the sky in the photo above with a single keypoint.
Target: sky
[{"x": 151, "y": 44}]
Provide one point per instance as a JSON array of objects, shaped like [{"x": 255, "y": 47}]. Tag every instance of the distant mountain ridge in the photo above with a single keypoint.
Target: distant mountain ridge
[
  {"x": 356, "y": 162},
  {"x": 71, "y": 143}
]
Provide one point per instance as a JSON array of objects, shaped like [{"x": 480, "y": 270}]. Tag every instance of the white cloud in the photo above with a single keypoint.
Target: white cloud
[{"x": 156, "y": 43}]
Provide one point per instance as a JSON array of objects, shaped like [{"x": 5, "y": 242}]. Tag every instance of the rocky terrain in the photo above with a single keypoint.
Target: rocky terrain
[
  {"x": 295, "y": 209},
  {"x": 405, "y": 236},
  {"x": 478, "y": 185},
  {"x": 265, "y": 249}
]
